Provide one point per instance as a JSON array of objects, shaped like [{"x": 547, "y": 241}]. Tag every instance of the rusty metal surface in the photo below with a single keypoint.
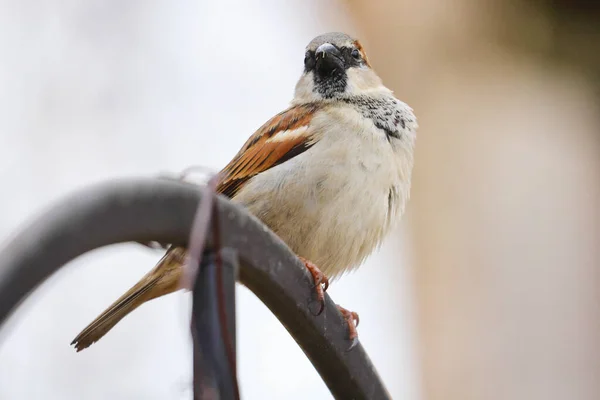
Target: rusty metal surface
[{"x": 161, "y": 210}]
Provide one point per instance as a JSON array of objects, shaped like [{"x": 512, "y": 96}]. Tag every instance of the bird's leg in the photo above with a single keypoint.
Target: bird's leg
[
  {"x": 155, "y": 245},
  {"x": 321, "y": 282},
  {"x": 352, "y": 320}
]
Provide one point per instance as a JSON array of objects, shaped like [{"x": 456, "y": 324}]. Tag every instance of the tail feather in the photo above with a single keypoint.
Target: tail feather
[{"x": 162, "y": 280}]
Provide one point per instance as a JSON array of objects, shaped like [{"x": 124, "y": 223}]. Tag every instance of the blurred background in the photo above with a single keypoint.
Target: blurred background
[{"x": 490, "y": 288}]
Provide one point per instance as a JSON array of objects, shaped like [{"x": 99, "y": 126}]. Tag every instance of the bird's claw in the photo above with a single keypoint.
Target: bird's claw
[
  {"x": 321, "y": 283},
  {"x": 184, "y": 176},
  {"x": 155, "y": 245},
  {"x": 352, "y": 320}
]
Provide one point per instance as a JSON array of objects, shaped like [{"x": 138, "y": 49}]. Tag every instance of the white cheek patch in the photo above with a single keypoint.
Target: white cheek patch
[
  {"x": 304, "y": 89},
  {"x": 305, "y": 84},
  {"x": 362, "y": 79},
  {"x": 288, "y": 134}
]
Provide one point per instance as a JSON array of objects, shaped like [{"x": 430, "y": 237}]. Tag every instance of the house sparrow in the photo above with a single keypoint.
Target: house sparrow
[{"x": 330, "y": 175}]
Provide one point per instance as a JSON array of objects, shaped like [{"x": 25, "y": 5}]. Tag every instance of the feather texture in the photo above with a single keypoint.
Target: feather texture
[
  {"x": 281, "y": 138},
  {"x": 330, "y": 175}
]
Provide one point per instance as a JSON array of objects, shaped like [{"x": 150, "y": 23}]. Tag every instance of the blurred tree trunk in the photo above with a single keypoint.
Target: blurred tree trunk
[{"x": 505, "y": 208}]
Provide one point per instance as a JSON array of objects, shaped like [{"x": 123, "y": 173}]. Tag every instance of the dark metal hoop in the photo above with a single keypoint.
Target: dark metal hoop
[{"x": 146, "y": 210}]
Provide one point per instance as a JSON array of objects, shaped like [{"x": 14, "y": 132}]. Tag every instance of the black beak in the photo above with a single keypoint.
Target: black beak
[{"x": 329, "y": 59}]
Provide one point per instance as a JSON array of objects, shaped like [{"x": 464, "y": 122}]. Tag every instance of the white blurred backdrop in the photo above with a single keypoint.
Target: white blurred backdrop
[{"x": 101, "y": 89}]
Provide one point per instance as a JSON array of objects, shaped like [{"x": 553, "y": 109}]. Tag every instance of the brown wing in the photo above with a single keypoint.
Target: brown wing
[{"x": 283, "y": 137}]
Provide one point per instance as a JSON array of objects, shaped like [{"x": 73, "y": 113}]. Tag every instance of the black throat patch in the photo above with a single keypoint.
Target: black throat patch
[{"x": 330, "y": 85}]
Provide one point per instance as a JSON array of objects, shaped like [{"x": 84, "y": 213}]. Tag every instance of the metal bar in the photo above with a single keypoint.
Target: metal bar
[
  {"x": 230, "y": 270},
  {"x": 214, "y": 376},
  {"x": 160, "y": 210}
]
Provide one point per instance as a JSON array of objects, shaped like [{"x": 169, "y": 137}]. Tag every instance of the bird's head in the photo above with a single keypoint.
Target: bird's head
[{"x": 335, "y": 65}]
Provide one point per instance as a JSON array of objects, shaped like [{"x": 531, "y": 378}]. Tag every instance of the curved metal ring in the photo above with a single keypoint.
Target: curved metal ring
[{"x": 161, "y": 210}]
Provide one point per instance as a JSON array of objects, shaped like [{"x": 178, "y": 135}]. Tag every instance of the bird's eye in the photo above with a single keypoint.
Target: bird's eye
[
  {"x": 309, "y": 60},
  {"x": 355, "y": 54},
  {"x": 307, "y": 57}
]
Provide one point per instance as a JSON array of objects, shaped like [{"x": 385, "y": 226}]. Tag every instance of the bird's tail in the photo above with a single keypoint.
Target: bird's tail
[{"x": 163, "y": 279}]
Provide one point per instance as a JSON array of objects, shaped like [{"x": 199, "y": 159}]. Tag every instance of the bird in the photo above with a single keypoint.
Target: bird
[{"x": 330, "y": 175}]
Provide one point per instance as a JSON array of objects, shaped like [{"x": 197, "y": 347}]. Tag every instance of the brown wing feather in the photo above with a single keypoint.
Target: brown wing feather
[
  {"x": 258, "y": 154},
  {"x": 261, "y": 152}
]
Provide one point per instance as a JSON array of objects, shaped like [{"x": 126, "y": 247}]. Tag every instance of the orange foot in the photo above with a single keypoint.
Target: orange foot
[
  {"x": 321, "y": 282},
  {"x": 352, "y": 320}
]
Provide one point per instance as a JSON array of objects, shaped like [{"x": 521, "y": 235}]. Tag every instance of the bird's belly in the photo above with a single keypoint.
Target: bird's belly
[{"x": 331, "y": 214}]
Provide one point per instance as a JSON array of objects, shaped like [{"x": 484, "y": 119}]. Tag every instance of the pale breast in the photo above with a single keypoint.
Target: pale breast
[{"x": 334, "y": 203}]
